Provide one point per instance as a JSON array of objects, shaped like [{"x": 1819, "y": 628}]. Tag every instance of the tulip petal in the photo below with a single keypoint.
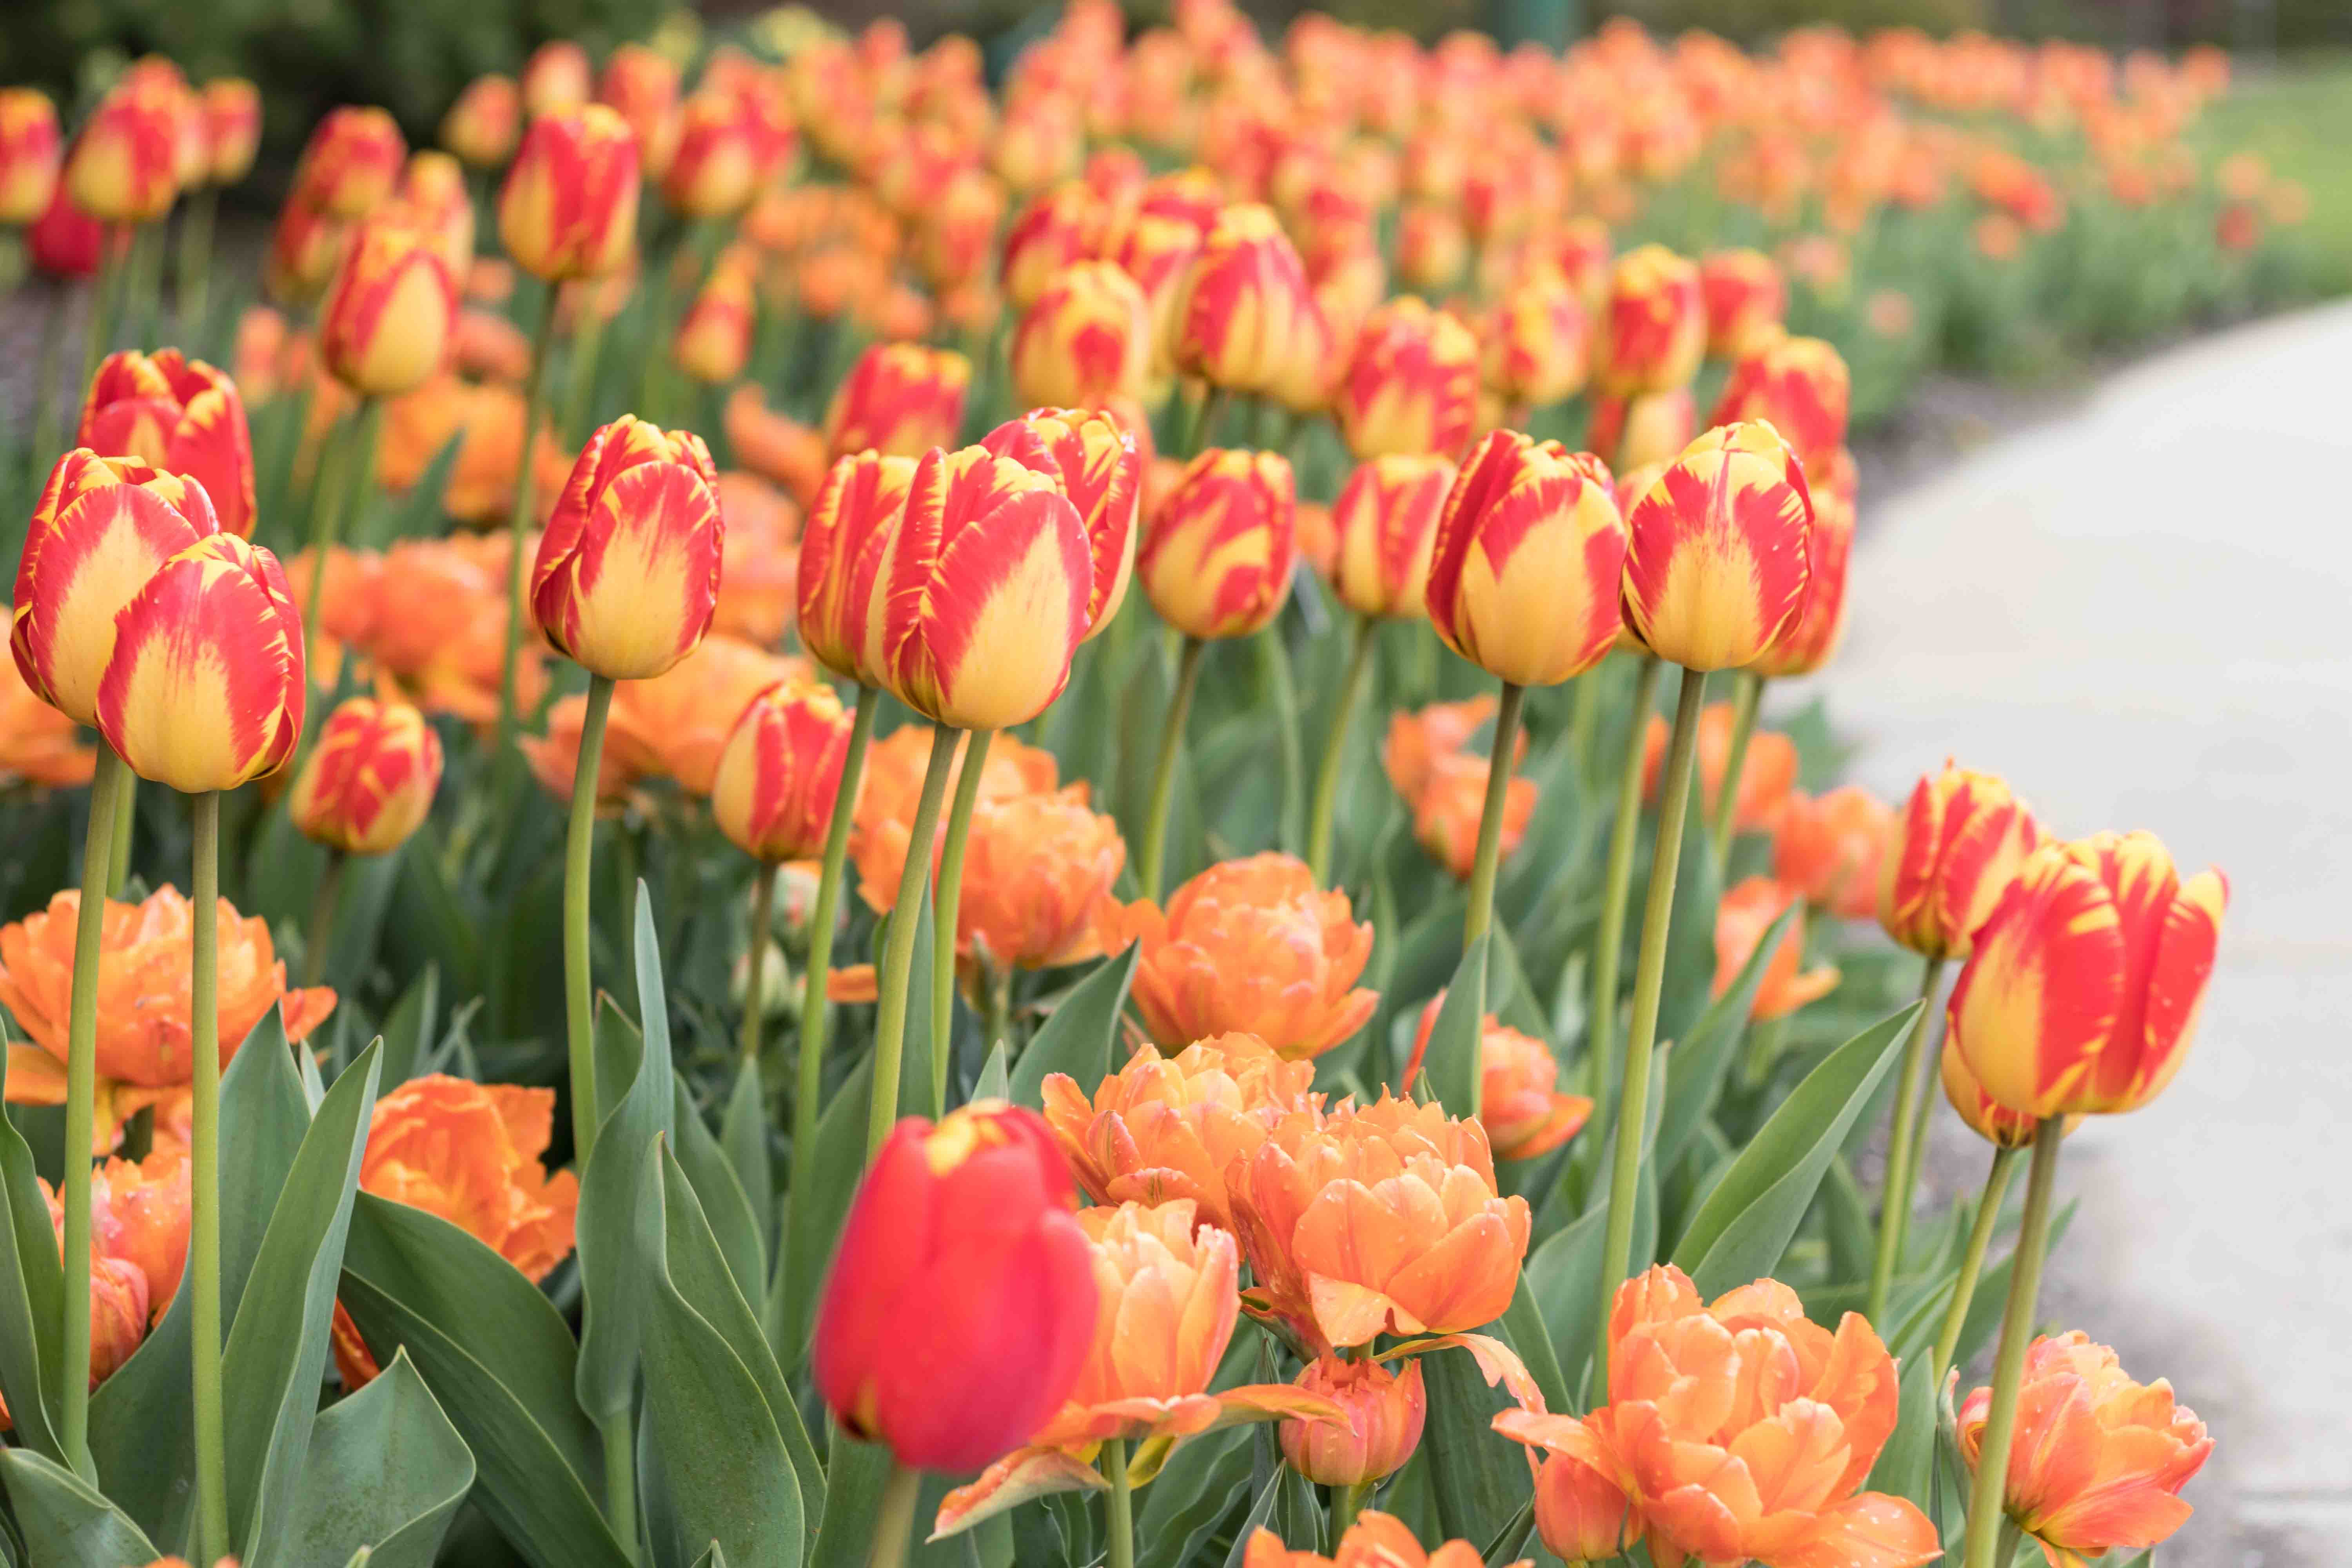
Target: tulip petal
[
  {"x": 1018, "y": 1477},
  {"x": 1871, "y": 1531}
]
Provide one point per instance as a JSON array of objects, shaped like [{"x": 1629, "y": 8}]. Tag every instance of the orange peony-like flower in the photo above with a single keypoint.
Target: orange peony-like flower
[
  {"x": 487, "y": 423},
  {"x": 2099, "y": 1460},
  {"x": 119, "y": 1306},
  {"x": 1039, "y": 873},
  {"x": 469, "y": 1154},
  {"x": 773, "y": 447},
  {"x": 1250, "y": 946},
  {"x": 1163, "y": 1128},
  {"x": 1745, "y": 913},
  {"x": 893, "y": 783},
  {"x": 1520, "y": 1102},
  {"x": 36, "y": 741},
  {"x": 1452, "y": 800},
  {"x": 1375, "y": 1541},
  {"x": 1767, "y": 775},
  {"x": 144, "y": 974},
  {"x": 139, "y": 1214},
  {"x": 674, "y": 725},
  {"x": 440, "y": 625},
  {"x": 1829, "y": 847},
  {"x": 759, "y": 564},
  {"x": 1417, "y": 738}
]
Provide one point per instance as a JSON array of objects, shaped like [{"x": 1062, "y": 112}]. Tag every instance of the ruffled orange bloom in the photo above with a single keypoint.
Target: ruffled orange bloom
[
  {"x": 1164, "y": 1128},
  {"x": 36, "y": 741},
  {"x": 1375, "y": 1541},
  {"x": 440, "y": 625},
  {"x": 1739, "y": 1430},
  {"x": 1745, "y": 913},
  {"x": 1038, "y": 872},
  {"x": 1831, "y": 847},
  {"x": 759, "y": 580},
  {"x": 1453, "y": 799},
  {"x": 144, "y": 974},
  {"x": 470, "y": 1154},
  {"x": 1520, "y": 1102},
  {"x": 139, "y": 1214},
  {"x": 893, "y": 785},
  {"x": 773, "y": 447},
  {"x": 1418, "y": 737},
  {"x": 1251, "y": 947},
  {"x": 2097, "y": 1461},
  {"x": 488, "y": 347},
  {"x": 1378, "y": 1219},
  {"x": 120, "y": 1306},
  {"x": 487, "y": 422},
  {"x": 1766, "y": 774}
]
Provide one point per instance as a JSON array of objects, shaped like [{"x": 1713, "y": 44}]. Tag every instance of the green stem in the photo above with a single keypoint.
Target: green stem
[
  {"x": 755, "y": 988},
  {"x": 1902, "y": 1146},
  {"x": 1748, "y": 693},
  {"x": 126, "y": 828},
  {"x": 1346, "y": 1502},
  {"x": 894, "y": 1519},
  {"x": 899, "y": 945},
  {"x": 1648, "y": 977},
  {"x": 1163, "y": 776},
  {"x": 946, "y": 899},
  {"x": 81, "y": 1107},
  {"x": 1119, "y": 1507},
  {"x": 801, "y": 1233},
  {"x": 195, "y": 263},
  {"x": 579, "y": 1002},
  {"x": 579, "y": 402},
  {"x": 203, "y": 1187},
  {"x": 327, "y": 488},
  {"x": 1335, "y": 750},
  {"x": 1964, "y": 1289},
  {"x": 1204, "y": 420},
  {"x": 1501, "y": 756},
  {"x": 621, "y": 1482},
  {"x": 518, "y": 525},
  {"x": 1584, "y": 718},
  {"x": 1985, "y": 1512},
  {"x": 323, "y": 903},
  {"x": 1624, "y": 834}
]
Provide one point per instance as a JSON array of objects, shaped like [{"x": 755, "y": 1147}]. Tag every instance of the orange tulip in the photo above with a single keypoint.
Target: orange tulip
[
  {"x": 1038, "y": 875},
  {"x": 1093, "y": 454},
  {"x": 674, "y": 725},
  {"x": 139, "y": 1216},
  {"x": 1747, "y": 910},
  {"x": 1738, "y": 1429},
  {"x": 1820, "y": 624},
  {"x": 232, "y": 126},
  {"x": 1744, "y": 298},
  {"x": 144, "y": 1003},
  {"x": 899, "y": 399},
  {"x": 1957, "y": 847},
  {"x": 178, "y": 415},
  {"x": 569, "y": 207},
  {"x": 30, "y": 155},
  {"x": 37, "y": 745},
  {"x": 1717, "y": 551},
  {"x": 123, "y": 166},
  {"x": 627, "y": 574},
  {"x": 121, "y": 1307},
  {"x": 1535, "y": 350},
  {"x": 1519, "y": 1101},
  {"x": 385, "y": 323},
  {"x": 1216, "y": 554},
  {"x": 305, "y": 249},
  {"x": 1237, "y": 316},
  {"x": 1378, "y": 1426},
  {"x": 438, "y": 624},
  {"x": 1830, "y": 847},
  {"x": 351, "y": 162},
  {"x": 1385, "y": 524},
  {"x": 1085, "y": 339},
  {"x": 369, "y": 781},
  {"x": 1800, "y": 386},
  {"x": 777, "y": 783},
  {"x": 1582, "y": 1515},
  {"x": 2099, "y": 1460},
  {"x": 1768, "y": 774},
  {"x": 884, "y": 814},
  {"x": 1453, "y": 799},
  {"x": 1375, "y": 1540},
  {"x": 1523, "y": 575},
  {"x": 2082, "y": 989},
  {"x": 779, "y": 449},
  {"x": 1418, "y": 739},
  {"x": 1652, "y": 328},
  {"x": 482, "y": 125}
]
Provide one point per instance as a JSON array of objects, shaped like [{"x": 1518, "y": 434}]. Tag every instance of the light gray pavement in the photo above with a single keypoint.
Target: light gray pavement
[{"x": 2141, "y": 614}]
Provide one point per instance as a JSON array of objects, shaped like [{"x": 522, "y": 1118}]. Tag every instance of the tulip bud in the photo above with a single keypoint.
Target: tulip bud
[
  {"x": 627, "y": 574},
  {"x": 714, "y": 336},
  {"x": 1640, "y": 431},
  {"x": 1744, "y": 299},
  {"x": 1536, "y": 342},
  {"x": 1386, "y": 523},
  {"x": 715, "y": 170},
  {"x": 981, "y": 598},
  {"x": 556, "y": 79},
  {"x": 949, "y": 1340},
  {"x": 433, "y": 191},
  {"x": 640, "y": 85},
  {"x": 1961, "y": 841},
  {"x": 1054, "y": 230},
  {"x": 102, "y": 528},
  {"x": 1717, "y": 551},
  {"x": 368, "y": 780},
  {"x": 65, "y": 241},
  {"x": 1582, "y": 1515},
  {"x": 1523, "y": 575},
  {"x": 2081, "y": 992},
  {"x": 177, "y": 415},
  {"x": 1085, "y": 341},
  {"x": 351, "y": 162},
  {"x": 1821, "y": 625},
  {"x": 1411, "y": 385},
  {"x": 1653, "y": 327},
  {"x": 848, "y": 532},
  {"x": 481, "y": 126},
  {"x": 305, "y": 248},
  {"x": 385, "y": 322},
  {"x": 29, "y": 154},
  {"x": 1093, "y": 457},
  {"x": 232, "y": 127},
  {"x": 1379, "y": 1427},
  {"x": 569, "y": 207},
  {"x": 1216, "y": 558},
  {"x": 205, "y": 688},
  {"x": 1236, "y": 319},
  {"x": 123, "y": 166},
  {"x": 900, "y": 399},
  {"x": 779, "y": 779}
]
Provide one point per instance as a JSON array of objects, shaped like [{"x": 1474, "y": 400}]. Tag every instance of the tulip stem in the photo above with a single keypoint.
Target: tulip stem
[
  {"x": 1648, "y": 977},
  {"x": 1204, "y": 420},
  {"x": 1624, "y": 834},
  {"x": 518, "y": 525},
  {"x": 1746, "y": 695},
  {"x": 579, "y": 849},
  {"x": 204, "y": 1184},
  {"x": 894, "y": 1519},
  {"x": 755, "y": 988},
  {"x": 946, "y": 902},
  {"x": 1964, "y": 1289},
  {"x": 126, "y": 828},
  {"x": 621, "y": 1480},
  {"x": 2016, "y": 1330},
  {"x": 1583, "y": 719},
  {"x": 81, "y": 1107},
  {"x": 323, "y": 904},
  {"x": 1500, "y": 758},
  {"x": 196, "y": 265},
  {"x": 1119, "y": 1507},
  {"x": 1346, "y": 1502},
  {"x": 800, "y": 1235},
  {"x": 1163, "y": 777},
  {"x": 1902, "y": 1146},
  {"x": 899, "y": 944},
  {"x": 1335, "y": 749}
]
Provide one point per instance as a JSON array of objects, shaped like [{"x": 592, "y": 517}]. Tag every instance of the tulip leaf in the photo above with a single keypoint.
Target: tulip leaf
[
  {"x": 65, "y": 1522},
  {"x": 996, "y": 1081},
  {"x": 276, "y": 1348},
  {"x": 1281, "y": 708},
  {"x": 1690, "y": 940},
  {"x": 32, "y": 1291},
  {"x": 1563, "y": 1275},
  {"x": 1479, "y": 1483},
  {"x": 722, "y": 1198},
  {"x": 1853, "y": 1238},
  {"x": 855, "y": 1474},
  {"x": 1081, "y": 1036},
  {"x": 1743, "y": 1227},
  {"x": 1523, "y": 1325},
  {"x": 725, "y": 1469},
  {"x": 1451, "y": 1064},
  {"x": 408, "y": 1027},
  {"x": 840, "y": 1161},
  {"x": 140, "y": 1419},
  {"x": 716, "y": 1557},
  {"x": 386, "y": 1477},
  {"x": 1258, "y": 1518},
  {"x": 1902, "y": 1466},
  {"x": 1504, "y": 1548},
  {"x": 611, "y": 1286},
  {"x": 1205, "y": 1481},
  {"x": 915, "y": 1055},
  {"x": 1697, "y": 1065},
  {"x": 744, "y": 1134}
]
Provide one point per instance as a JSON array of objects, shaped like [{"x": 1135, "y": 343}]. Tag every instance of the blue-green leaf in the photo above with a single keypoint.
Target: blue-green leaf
[
  {"x": 65, "y": 1522},
  {"x": 723, "y": 1200},
  {"x": 1480, "y": 1483},
  {"x": 32, "y": 1291},
  {"x": 1696, "y": 1067},
  {"x": 1079, "y": 1038},
  {"x": 386, "y": 1475},
  {"x": 744, "y": 1134},
  {"x": 1450, "y": 1063}
]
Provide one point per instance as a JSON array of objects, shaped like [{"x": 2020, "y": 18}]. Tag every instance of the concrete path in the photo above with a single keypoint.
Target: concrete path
[{"x": 2142, "y": 614}]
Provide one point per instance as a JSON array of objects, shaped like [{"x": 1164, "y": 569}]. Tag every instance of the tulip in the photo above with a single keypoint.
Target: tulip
[
  {"x": 385, "y": 323},
  {"x": 1536, "y": 351},
  {"x": 29, "y": 154},
  {"x": 1085, "y": 341},
  {"x": 37, "y": 743},
  {"x": 351, "y": 162},
  {"x": 1419, "y": 739},
  {"x": 122, "y": 167},
  {"x": 1157, "y": 252},
  {"x": 714, "y": 171},
  {"x": 1652, "y": 328},
  {"x": 1637, "y": 432},
  {"x": 974, "y": 1211},
  {"x": 482, "y": 125},
  {"x": 899, "y": 399},
  {"x": 569, "y": 207},
  {"x": 1093, "y": 457},
  {"x": 1767, "y": 772},
  {"x": 433, "y": 192},
  {"x": 1519, "y": 1102},
  {"x": 1744, "y": 298},
  {"x": 370, "y": 778},
  {"x": 1375, "y": 1540},
  {"x": 1718, "y": 549},
  {"x": 1830, "y": 848},
  {"x": 1800, "y": 386},
  {"x": 778, "y": 781},
  {"x": 233, "y": 121},
  {"x": 714, "y": 337},
  {"x": 305, "y": 248},
  {"x": 1380, "y": 1424},
  {"x": 177, "y": 415},
  {"x": 1431, "y": 246},
  {"x": 1746, "y": 912},
  {"x": 65, "y": 241},
  {"x": 1058, "y": 227},
  {"x": 1237, "y": 316},
  {"x": 1411, "y": 385},
  {"x": 556, "y": 79},
  {"x": 627, "y": 574},
  {"x": 641, "y": 85},
  {"x": 1386, "y": 519},
  {"x": 849, "y": 530}
]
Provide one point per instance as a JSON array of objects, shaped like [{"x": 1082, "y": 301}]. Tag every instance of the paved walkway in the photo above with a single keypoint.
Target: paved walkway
[{"x": 2142, "y": 614}]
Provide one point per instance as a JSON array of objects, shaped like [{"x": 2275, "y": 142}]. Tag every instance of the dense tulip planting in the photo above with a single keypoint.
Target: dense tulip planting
[{"x": 1244, "y": 1115}]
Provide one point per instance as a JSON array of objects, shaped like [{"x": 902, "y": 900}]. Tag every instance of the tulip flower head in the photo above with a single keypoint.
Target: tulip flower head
[
  {"x": 369, "y": 781},
  {"x": 1380, "y": 1424},
  {"x": 1237, "y": 320},
  {"x": 1216, "y": 554},
  {"x": 65, "y": 241},
  {"x": 1829, "y": 847},
  {"x": 569, "y": 207},
  {"x": 1745, "y": 297},
  {"x": 177, "y": 415},
  {"x": 351, "y": 162},
  {"x": 305, "y": 248},
  {"x": 780, "y": 776},
  {"x": 1814, "y": 640},
  {"x": 556, "y": 78},
  {"x": 641, "y": 84},
  {"x": 1536, "y": 351},
  {"x": 1717, "y": 551},
  {"x": 1636, "y": 432},
  {"x": 1800, "y": 386},
  {"x": 385, "y": 323},
  {"x": 713, "y": 341},
  {"x": 1747, "y": 910},
  {"x": 433, "y": 192},
  {"x": 1086, "y": 339},
  {"x": 1375, "y": 1541},
  {"x": 1652, "y": 328},
  {"x": 124, "y": 164},
  {"x": 1093, "y": 457},
  {"x": 1520, "y": 1102},
  {"x": 232, "y": 126},
  {"x": 1411, "y": 385},
  {"x": 1956, "y": 847},
  {"x": 1057, "y": 227},
  {"x": 1985, "y": 1116},
  {"x": 714, "y": 170},
  {"x": 848, "y": 532},
  {"x": 899, "y": 399},
  {"x": 1386, "y": 522},
  {"x": 628, "y": 576},
  {"x": 37, "y": 743},
  {"x": 2082, "y": 989},
  {"x": 482, "y": 125},
  {"x": 30, "y": 155}
]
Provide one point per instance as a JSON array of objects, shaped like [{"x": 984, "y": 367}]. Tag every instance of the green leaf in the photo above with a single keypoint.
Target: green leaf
[
  {"x": 1853, "y": 1239},
  {"x": 1695, "y": 1067},
  {"x": 1260, "y": 1512},
  {"x": 995, "y": 1081},
  {"x": 1079, "y": 1037},
  {"x": 716, "y": 1557},
  {"x": 276, "y": 1348},
  {"x": 854, "y": 1478},
  {"x": 1203, "y": 1481},
  {"x": 1563, "y": 1278},
  {"x": 1902, "y": 1466},
  {"x": 408, "y": 1028},
  {"x": 840, "y": 1161},
  {"x": 32, "y": 1291},
  {"x": 744, "y": 1134},
  {"x": 1450, "y": 1063},
  {"x": 386, "y": 1475},
  {"x": 1523, "y": 1325},
  {"x": 721, "y": 1195},
  {"x": 65, "y": 1523},
  {"x": 1480, "y": 1483},
  {"x": 1739, "y": 1232},
  {"x": 1505, "y": 1547},
  {"x": 1690, "y": 940}
]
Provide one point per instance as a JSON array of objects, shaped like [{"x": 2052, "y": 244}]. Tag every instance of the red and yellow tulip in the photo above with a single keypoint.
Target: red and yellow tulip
[
  {"x": 1718, "y": 554},
  {"x": 569, "y": 207},
  {"x": 1216, "y": 553},
  {"x": 1094, "y": 456},
  {"x": 779, "y": 779},
  {"x": 370, "y": 778},
  {"x": 1411, "y": 384},
  {"x": 1085, "y": 339},
  {"x": 899, "y": 399},
  {"x": 177, "y": 415},
  {"x": 391, "y": 308},
  {"x": 1956, "y": 847}
]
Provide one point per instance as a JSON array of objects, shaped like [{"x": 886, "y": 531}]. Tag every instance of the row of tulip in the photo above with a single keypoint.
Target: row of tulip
[{"x": 1534, "y": 1245}]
